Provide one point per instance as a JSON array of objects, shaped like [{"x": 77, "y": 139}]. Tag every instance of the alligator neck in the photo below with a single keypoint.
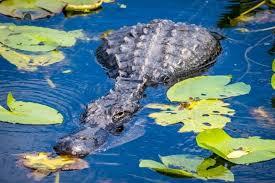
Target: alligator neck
[{"x": 111, "y": 111}]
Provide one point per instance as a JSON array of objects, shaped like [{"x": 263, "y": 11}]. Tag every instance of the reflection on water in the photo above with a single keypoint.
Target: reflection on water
[{"x": 246, "y": 56}]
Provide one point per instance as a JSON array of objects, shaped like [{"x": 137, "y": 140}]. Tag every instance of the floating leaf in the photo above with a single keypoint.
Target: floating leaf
[
  {"x": 30, "y": 62},
  {"x": 43, "y": 164},
  {"x": 31, "y": 38},
  {"x": 33, "y": 9},
  {"x": 253, "y": 149},
  {"x": 29, "y": 113},
  {"x": 199, "y": 116},
  {"x": 273, "y": 81},
  {"x": 206, "y": 87},
  {"x": 83, "y": 5},
  {"x": 189, "y": 166}
]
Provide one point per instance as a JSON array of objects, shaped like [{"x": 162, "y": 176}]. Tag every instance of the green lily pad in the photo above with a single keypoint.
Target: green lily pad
[
  {"x": 34, "y": 8},
  {"x": 237, "y": 150},
  {"x": 30, "y": 62},
  {"x": 199, "y": 116},
  {"x": 29, "y": 113},
  {"x": 36, "y": 39},
  {"x": 83, "y": 5},
  {"x": 189, "y": 166},
  {"x": 206, "y": 87},
  {"x": 273, "y": 81}
]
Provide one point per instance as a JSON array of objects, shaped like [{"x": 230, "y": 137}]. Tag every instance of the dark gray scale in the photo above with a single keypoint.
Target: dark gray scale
[{"x": 136, "y": 57}]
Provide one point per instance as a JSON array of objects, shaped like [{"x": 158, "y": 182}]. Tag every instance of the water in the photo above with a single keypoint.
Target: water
[{"x": 88, "y": 81}]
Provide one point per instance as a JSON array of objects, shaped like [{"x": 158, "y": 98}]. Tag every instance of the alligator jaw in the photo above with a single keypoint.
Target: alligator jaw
[{"x": 82, "y": 143}]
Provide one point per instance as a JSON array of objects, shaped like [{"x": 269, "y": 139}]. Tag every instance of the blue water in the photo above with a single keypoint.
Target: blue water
[{"x": 88, "y": 81}]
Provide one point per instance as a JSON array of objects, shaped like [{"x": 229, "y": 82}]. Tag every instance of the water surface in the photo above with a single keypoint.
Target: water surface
[{"x": 88, "y": 81}]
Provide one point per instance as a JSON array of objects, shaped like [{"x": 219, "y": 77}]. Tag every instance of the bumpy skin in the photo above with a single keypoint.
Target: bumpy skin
[{"x": 139, "y": 56}]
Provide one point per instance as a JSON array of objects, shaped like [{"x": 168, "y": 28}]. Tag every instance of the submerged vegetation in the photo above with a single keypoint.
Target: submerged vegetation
[{"x": 247, "y": 11}]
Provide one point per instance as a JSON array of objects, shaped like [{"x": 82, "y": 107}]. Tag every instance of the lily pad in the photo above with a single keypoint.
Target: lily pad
[
  {"x": 29, "y": 113},
  {"x": 199, "y": 116},
  {"x": 43, "y": 164},
  {"x": 83, "y": 5},
  {"x": 206, "y": 87},
  {"x": 237, "y": 150},
  {"x": 30, "y": 62},
  {"x": 189, "y": 166},
  {"x": 33, "y": 9},
  {"x": 36, "y": 39},
  {"x": 273, "y": 81}
]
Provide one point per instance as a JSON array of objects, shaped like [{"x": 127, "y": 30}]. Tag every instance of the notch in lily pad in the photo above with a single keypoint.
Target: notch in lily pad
[
  {"x": 29, "y": 113},
  {"x": 189, "y": 166},
  {"x": 206, "y": 87},
  {"x": 236, "y": 150}
]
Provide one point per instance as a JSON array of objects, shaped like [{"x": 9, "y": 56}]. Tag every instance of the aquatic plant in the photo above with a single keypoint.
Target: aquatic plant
[
  {"x": 189, "y": 166},
  {"x": 29, "y": 113}
]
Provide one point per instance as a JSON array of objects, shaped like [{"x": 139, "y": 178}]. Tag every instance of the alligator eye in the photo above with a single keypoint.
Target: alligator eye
[{"x": 118, "y": 115}]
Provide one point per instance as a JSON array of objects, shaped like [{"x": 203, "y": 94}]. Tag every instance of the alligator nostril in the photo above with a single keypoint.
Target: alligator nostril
[
  {"x": 119, "y": 129},
  {"x": 82, "y": 138}
]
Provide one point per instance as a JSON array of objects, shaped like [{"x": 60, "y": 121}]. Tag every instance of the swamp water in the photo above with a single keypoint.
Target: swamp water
[{"x": 247, "y": 56}]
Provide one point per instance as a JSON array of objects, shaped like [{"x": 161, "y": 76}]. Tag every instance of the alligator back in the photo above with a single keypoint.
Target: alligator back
[{"x": 161, "y": 50}]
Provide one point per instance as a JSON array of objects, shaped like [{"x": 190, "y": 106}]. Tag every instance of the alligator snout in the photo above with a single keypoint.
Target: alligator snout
[{"x": 82, "y": 143}]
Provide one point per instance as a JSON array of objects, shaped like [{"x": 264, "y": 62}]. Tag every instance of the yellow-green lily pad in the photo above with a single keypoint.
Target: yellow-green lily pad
[
  {"x": 33, "y": 9},
  {"x": 237, "y": 150},
  {"x": 30, "y": 62},
  {"x": 29, "y": 113},
  {"x": 197, "y": 117},
  {"x": 43, "y": 164},
  {"x": 36, "y": 39},
  {"x": 206, "y": 87},
  {"x": 189, "y": 166},
  {"x": 82, "y": 5}
]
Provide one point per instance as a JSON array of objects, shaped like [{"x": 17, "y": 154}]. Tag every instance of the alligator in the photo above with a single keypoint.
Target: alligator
[{"x": 139, "y": 56}]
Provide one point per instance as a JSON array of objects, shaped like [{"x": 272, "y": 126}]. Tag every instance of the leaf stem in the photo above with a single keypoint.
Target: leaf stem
[{"x": 253, "y": 8}]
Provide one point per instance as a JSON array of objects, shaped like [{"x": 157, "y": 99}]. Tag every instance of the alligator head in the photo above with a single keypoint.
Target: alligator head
[{"x": 102, "y": 119}]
